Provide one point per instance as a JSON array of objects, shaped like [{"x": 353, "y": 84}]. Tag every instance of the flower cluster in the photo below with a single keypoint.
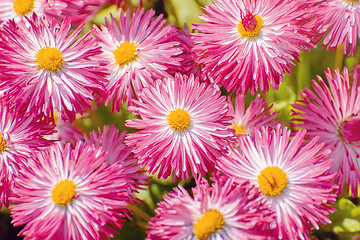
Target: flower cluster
[{"x": 100, "y": 118}]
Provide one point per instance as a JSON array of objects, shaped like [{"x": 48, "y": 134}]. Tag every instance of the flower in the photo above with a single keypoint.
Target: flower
[
  {"x": 18, "y": 9},
  {"x": 43, "y": 69},
  {"x": 137, "y": 51},
  {"x": 225, "y": 210},
  {"x": 184, "y": 126},
  {"x": 330, "y": 112},
  {"x": 81, "y": 11},
  {"x": 189, "y": 58},
  {"x": 20, "y": 135},
  {"x": 113, "y": 143},
  {"x": 255, "y": 116},
  {"x": 290, "y": 174},
  {"x": 340, "y": 24},
  {"x": 247, "y": 44},
  {"x": 69, "y": 194},
  {"x": 66, "y": 132}
]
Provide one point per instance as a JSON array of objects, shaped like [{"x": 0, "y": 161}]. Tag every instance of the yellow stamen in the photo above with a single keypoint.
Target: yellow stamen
[
  {"x": 208, "y": 224},
  {"x": 351, "y": 1},
  {"x": 22, "y": 7},
  {"x": 63, "y": 192},
  {"x": 239, "y": 129},
  {"x": 179, "y": 119},
  {"x": 253, "y": 31},
  {"x": 3, "y": 144},
  {"x": 125, "y": 53},
  {"x": 49, "y": 59},
  {"x": 272, "y": 181}
]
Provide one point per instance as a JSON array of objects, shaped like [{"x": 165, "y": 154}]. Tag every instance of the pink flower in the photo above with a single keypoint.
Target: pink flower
[
  {"x": 290, "y": 174},
  {"x": 66, "y": 132},
  {"x": 18, "y": 9},
  {"x": 184, "y": 127},
  {"x": 69, "y": 194},
  {"x": 45, "y": 69},
  {"x": 245, "y": 45},
  {"x": 332, "y": 112},
  {"x": 137, "y": 52},
  {"x": 81, "y": 11},
  {"x": 341, "y": 24},
  {"x": 226, "y": 210},
  {"x": 255, "y": 116},
  {"x": 189, "y": 58},
  {"x": 20, "y": 135},
  {"x": 116, "y": 151}
]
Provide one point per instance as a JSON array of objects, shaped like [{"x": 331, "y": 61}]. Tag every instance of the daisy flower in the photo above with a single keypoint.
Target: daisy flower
[
  {"x": 20, "y": 135},
  {"x": 290, "y": 174},
  {"x": 65, "y": 132},
  {"x": 113, "y": 143},
  {"x": 255, "y": 116},
  {"x": 189, "y": 58},
  {"x": 18, "y": 9},
  {"x": 247, "y": 44},
  {"x": 81, "y": 10},
  {"x": 137, "y": 52},
  {"x": 332, "y": 112},
  {"x": 184, "y": 127},
  {"x": 225, "y": 210},
  {"x": 69, "y": 194},
  {"x": 341, "y": 23},
  {"x": 45, "y": 69}
]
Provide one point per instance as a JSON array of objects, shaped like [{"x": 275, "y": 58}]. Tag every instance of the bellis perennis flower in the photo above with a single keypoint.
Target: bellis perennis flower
[
  {"x": 225, "y": 210},
  {"x": 247, "y": 44},
  {"x": 43, "y": 69},
  {"x": 341, "y": 23},
  {"x": 332, "y": 113},
  {"x": 184, "y": 127},
  {"x": 137, "y": 51},
  {"x": 18, "y": 9},
  {"x": 69, "y": 194},
  {"x": 20, "y": 135},
  {"x": 117, "y": 152},
  {"x": 255, "y": 116},
  {"x": 291, "y": 175}
]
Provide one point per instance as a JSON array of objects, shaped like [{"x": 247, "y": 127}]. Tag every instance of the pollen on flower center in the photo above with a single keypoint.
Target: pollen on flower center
[
  {"x": 351, "y": 1},
  {"x": 49, "y": 59},
  {"x": 63, "y": 192},
  {"x": 208, "y": 224},
  {"x": 179, "y": 119},
  {"x": 3, "y": 144},
  {"x": 239, "y": 129},
  {"x": 250, "y": 25},
  {"x": 22, "y": 7},
  {"x": 125, "y": 53},
  {"x": 272, "y": 181}
]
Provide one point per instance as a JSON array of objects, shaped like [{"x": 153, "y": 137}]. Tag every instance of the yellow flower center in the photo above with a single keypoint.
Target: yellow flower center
[
  {"x": 351, "y": 1},
  {"x": 22, "y": 7},
  {"x": 3, "y": 143},
  {"x": 239, "y": 128},
  {"x": 49, "y": 59},
  {"x": 208, "y": 224},
  {"x": 272, "y": 180},
  {"x": 125, "y": 53},
  {"x": 250, "y": 25},
  {"x": 63, "y": 192},
  {"x": 179, "y": 119}
]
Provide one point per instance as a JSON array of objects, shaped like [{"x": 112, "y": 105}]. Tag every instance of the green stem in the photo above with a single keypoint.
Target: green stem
[
  {"x": 339, "y": 57},
  {"x": 139, "y": 212}
]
